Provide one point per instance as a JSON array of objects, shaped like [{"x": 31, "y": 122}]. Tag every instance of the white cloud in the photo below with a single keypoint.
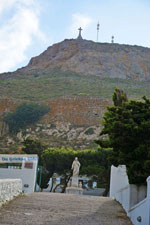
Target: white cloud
[
  {"x": 79, "y": 20},
  {"x": 17, "y": 33},
  {"x": 4, "y": 4}
]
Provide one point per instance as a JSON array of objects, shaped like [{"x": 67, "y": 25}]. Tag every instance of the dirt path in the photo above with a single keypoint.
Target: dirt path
[{"x": 62, "y": 209}]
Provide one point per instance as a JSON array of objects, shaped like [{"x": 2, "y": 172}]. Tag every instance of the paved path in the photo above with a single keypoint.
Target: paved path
[{"x": 62, "y": 209}]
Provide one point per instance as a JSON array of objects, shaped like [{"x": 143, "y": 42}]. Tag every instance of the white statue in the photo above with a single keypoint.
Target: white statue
[
  {"x": 74, "y": 186},
  {"x": 75, "y": 167}
]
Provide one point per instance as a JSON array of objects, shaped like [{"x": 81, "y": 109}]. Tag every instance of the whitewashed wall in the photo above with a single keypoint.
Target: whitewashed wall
[
  {"x": 27, "y": 175},
  {"x": 119, "y": 186},
  {"x": 134, "y": 199},
  {"x": 123, "y": 196},
  {"x": 141, "y": 211},
  {"x": 118, "y": 179},
  {"x": 9, "y": 188},
  {"x": 137, "y": 194}
]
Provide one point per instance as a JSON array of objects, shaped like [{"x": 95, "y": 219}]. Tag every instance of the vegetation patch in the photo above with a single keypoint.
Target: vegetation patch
[
  {"x": 24, "y": 115},
  {"x": 127, "y": 126},
  {"x": 89, "y": 131},
  {"x": 44, "y": 85}
]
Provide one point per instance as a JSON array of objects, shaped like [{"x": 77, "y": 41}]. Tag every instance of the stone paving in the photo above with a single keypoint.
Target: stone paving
[{"x": 62, "y": 209}]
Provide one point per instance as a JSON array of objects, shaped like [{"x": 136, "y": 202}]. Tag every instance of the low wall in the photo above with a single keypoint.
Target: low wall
[
  {"x": 9, "y": 188},
  {"x": 134, "y": 199},
  {"x": 139, "y": 213},
  {"x": 123, "y": 196},
  {"x": 137, "y": 194},
  {"x": 118, "y": 179}
]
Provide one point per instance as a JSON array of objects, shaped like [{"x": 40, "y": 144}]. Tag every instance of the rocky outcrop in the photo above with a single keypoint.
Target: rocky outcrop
[
  {"x": 56, "y": 135},
  {"x": 62, "y": 130},
  {"x": 95, "y": 59}
]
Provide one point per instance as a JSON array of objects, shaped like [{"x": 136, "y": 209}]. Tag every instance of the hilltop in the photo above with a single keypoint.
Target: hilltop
[
  {"x": 90, "y": 58},
  {"x": 76, "y": 78},
  {"x": 80, "y": 68}
]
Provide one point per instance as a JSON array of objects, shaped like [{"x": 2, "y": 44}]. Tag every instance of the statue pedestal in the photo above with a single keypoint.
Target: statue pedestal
[
  {"x": 75, "y": 187},
  {"x": 74, "y": 190},
  {"x": 75, "y": 182}
]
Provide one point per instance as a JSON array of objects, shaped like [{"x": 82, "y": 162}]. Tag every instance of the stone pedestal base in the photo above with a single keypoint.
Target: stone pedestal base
[
  {"x": 75, "y": 182},
  {"x": 74, "y": 190}
]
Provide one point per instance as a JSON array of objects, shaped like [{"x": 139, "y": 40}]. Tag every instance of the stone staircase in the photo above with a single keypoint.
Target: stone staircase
[{"x": 62, "y": 209}]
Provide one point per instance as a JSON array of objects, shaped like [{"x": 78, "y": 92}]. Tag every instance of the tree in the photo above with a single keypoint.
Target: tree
[
  {"x": 127, "y": 126},
  {"x": 119, "y": 97},
  {"x": 58, "y": 160},
  {"x": 36, "y": 147},
  {"x": 24, "y": 115},
  {"x": 94, "y": 163}
]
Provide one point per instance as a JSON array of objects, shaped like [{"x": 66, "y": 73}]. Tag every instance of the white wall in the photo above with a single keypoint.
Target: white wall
[
  {"x": 140, "y": 210},
  {"x": 118, "y": 179},
  {"x": 123, "y": 196},
  {"x": 134, "y": 199},
  {"x": 137, "y": 194},
  {"x": 27, "y": 175},
  {"x": 9, "y": 188}
]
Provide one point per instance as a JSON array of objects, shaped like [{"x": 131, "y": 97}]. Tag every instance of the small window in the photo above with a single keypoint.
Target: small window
[
  {"x": 28, "y": 165},
  {"x": 11, "y": 165}
]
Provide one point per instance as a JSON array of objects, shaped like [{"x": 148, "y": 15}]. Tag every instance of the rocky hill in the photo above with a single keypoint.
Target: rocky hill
[
  {"x": 76, "y": 78},
  {"x": 95, "y": 59}
]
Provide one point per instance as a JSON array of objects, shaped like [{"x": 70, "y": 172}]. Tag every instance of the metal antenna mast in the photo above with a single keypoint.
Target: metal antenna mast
[
  {"x": 112, "y": 39},
  {"x": 98, "y": 30}
]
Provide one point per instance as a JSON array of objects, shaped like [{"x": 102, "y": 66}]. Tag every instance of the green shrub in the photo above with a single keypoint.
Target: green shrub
[
  {"x": 89, "y": 131},
  {"x": 24, "y": 115}
]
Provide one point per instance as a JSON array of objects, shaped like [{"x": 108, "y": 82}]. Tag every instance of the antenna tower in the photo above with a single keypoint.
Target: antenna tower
[
  {"x": 98, "y": 30},
  {"x": 112, "y": 39}
]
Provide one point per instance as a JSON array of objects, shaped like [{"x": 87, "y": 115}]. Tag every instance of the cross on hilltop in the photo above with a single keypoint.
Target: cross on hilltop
[{"x": 80, "y": 37}]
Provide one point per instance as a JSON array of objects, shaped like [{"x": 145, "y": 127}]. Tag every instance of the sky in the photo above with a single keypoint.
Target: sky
[{"x": 28, "y": 27}]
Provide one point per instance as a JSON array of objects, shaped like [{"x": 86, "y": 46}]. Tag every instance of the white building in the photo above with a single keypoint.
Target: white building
[{"x": 20, "y": 166}]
